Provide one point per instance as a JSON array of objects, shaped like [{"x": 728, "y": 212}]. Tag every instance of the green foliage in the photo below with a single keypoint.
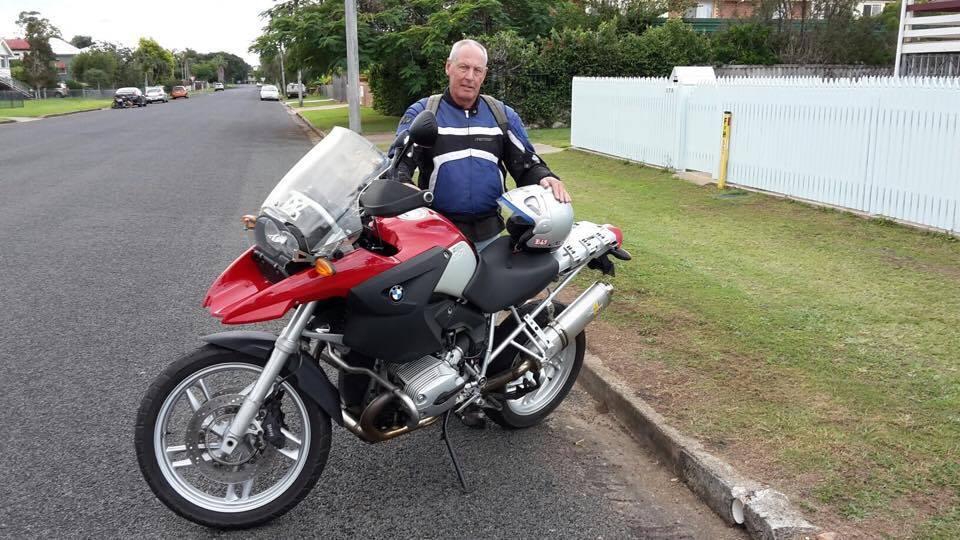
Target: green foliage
[
  {"x": 204, "y": 71},
  {"x": 537, "y": 46},
  {"x": 73, "y": 85},
  {"x": 97, "y": 66},
  {"x": 155, "y": 61},
  {"x": 97, "y": 77},
  {"x": 745, "y": 44},
  {"x": 38, "y": 70},
  {"x": 81, "y": 42}
]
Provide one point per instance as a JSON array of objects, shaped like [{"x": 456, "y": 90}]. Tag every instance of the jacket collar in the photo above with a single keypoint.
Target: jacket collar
[{"x": 449, "y": 99}]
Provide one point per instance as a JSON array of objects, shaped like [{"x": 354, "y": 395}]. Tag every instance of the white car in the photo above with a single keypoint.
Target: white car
[
  {"x": 217, "y": 86},
  {"x": 269, "y": 91},
  {"x": 156, "y": 93},
  {"x": 294, "y": 89}
]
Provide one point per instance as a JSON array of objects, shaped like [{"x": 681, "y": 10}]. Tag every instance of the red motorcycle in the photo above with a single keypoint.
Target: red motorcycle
[{"x": 416, "y": 324}]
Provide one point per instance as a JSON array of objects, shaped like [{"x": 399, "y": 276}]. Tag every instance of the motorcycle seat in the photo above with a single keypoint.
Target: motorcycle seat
[{"x": 504, "y": 278}]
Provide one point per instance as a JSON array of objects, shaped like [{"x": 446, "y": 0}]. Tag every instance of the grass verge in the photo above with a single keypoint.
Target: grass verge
[
  {"x": 559, "y": 137},
  {"x": 312, "y": 101},
  {"x": 371, "y": 120},
  {"x": 43, "y": 107},
  {"x": 813, "y": 349}
]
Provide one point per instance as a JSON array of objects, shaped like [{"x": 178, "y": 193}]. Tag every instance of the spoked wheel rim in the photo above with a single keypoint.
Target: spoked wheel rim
[
  {"x": 240, "y": 487},
  {"x": 553, "y": 376}
]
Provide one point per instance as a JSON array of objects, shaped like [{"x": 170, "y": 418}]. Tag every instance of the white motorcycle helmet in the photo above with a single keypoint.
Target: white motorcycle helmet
[{"x": 535, "y": 219}]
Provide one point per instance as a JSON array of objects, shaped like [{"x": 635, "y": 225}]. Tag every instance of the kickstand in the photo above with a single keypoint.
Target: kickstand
[{"x": 453, "y": 455}]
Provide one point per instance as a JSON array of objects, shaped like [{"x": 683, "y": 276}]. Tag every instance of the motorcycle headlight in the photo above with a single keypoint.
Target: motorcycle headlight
[{"x": 281, "y": 241}]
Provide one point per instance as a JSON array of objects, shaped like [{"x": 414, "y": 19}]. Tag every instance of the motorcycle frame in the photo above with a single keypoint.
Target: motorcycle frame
[{"x": 288, "y": 343}]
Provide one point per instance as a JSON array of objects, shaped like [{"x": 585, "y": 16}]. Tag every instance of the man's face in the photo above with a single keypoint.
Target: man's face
[{"x": 466, "y": 73}]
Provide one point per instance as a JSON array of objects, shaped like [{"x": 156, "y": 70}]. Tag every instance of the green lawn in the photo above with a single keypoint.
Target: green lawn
[
  {"x": 42, "y": 107},
  {"x": 370, "y": 120},
  {"x": 313, "y": 101},
  {"x": 559, "y": 137},
  {"x": 816, "y": 350}
]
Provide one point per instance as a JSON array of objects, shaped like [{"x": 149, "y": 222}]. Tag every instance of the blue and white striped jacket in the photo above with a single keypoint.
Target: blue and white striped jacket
[{"x": 463, "y": 169}]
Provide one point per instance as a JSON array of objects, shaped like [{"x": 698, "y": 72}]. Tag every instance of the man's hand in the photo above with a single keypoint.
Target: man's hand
[{"x": 559, "y": 191}]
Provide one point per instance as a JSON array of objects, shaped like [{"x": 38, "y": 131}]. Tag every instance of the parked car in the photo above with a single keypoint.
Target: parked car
[
  {"x": 294, "y": 88},
  {"x": 217, "y": 86},
  {"x": 128, "y": 97},
  {"x": 61, "y": 91},
  {"x": 269, "y": 91},
  {"x": 259, "y": 84},
  {"x": 156, "y": 93},
  {"x": 179, "y": 92}
]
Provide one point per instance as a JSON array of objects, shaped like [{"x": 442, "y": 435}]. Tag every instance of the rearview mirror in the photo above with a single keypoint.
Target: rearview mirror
[{"x": 423, "y": 130}]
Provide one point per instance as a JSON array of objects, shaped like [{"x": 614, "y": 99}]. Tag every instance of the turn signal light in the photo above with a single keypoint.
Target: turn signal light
[{"x": 324, "y": 268}]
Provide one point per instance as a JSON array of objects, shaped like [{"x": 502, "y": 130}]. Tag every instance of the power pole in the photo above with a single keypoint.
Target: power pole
[
  {"x": 353, "y": 66},
  {"x": 283, "y": 78}
]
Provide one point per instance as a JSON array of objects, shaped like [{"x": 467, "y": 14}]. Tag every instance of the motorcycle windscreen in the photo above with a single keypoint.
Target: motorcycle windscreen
[{"x": 319, "y": 195}]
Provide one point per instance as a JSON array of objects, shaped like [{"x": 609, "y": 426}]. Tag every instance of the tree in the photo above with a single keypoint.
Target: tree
[
  {"x": 154, "y": 60},
  {"x": 38, "y": 63},
  {"x": 81, "y": 42},
  {"x": 97, "y": 77},
  {"x": 204, "y": 71},
  {"x": 102, "y": 58}
]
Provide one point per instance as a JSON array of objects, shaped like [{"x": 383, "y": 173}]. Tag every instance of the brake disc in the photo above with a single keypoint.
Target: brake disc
[{"x": 205, "y": 432}]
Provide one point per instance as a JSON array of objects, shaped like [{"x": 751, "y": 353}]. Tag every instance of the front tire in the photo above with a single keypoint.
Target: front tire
[
  {"x": 199, "y": 391},
  {"x": 556, "y": 378}
]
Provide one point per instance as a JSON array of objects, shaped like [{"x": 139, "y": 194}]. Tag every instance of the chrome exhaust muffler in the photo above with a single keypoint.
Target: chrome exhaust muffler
[{"x": 581, "y": 312}]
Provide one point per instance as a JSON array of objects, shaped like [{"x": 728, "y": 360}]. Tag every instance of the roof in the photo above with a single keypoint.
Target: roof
[
  {"x": 62, "y": 48},
  {"x": 5, "y": 49},
  {"x": 57, "y": 45},
  {"x": 17, "y": 44}
]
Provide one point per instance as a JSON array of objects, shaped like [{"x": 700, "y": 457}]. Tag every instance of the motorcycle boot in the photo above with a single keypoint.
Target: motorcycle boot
[{"x": 473, "y": 417}]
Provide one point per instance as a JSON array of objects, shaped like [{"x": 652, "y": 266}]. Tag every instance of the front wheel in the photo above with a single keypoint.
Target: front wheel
[
  {"x": 539, "y": 394},
  {"x": 182, "y": 420}
]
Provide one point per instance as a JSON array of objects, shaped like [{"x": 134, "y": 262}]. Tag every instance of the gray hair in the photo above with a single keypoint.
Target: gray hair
[{"x": 459, "y": 45}]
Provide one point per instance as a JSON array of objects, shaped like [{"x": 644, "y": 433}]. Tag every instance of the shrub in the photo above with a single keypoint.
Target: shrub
[{"x": 745, "y": 44}]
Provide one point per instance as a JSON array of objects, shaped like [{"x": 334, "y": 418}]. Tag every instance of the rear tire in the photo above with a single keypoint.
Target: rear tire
[
  {"x": 156, "y": 404},
  {"x": 528, "y": 411}
]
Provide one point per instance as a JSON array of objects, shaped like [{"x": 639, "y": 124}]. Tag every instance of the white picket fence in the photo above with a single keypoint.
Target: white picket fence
[{"x": 885, "y": 146}]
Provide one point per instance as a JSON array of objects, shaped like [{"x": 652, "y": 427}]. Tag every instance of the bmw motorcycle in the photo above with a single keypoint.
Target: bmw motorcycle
[{"x": 389, "y": 297}]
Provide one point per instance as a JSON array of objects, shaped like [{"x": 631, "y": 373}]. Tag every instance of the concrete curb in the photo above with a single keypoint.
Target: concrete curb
[
  {"x": 766, "y": 513},
  {"x": 54, "y": 115},
  {"x": 317, "y": 134}
]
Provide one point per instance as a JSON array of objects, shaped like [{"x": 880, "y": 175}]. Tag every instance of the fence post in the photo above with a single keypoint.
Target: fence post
[
  {"x": 724, "y": 150},
  {"x": 679, "y": 146}
]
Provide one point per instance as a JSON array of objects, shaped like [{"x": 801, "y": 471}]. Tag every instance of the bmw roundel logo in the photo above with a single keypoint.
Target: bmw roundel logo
[{"x": 396, "y": 293}]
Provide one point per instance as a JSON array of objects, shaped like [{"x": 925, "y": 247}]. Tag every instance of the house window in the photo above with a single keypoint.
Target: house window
[{"x": 867, "y": 10}]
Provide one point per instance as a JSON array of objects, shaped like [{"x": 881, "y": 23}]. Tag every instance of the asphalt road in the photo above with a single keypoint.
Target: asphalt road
[{"x": 114, "y": 223}]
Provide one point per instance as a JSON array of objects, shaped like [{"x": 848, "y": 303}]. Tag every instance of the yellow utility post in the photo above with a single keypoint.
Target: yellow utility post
[{"x": 724, "y": 151}]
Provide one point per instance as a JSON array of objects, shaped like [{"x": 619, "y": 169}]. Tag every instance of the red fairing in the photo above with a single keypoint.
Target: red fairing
[{"x": 242, "y": 295}]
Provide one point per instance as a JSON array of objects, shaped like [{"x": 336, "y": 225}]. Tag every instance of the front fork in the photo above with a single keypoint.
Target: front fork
[{"x": 287, "y": 344}]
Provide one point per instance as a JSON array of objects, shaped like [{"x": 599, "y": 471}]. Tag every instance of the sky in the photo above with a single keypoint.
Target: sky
[{"x": 201, "y": 25}]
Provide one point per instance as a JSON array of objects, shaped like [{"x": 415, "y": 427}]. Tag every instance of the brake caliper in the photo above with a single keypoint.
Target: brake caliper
[{"x": 273, "y": 421}]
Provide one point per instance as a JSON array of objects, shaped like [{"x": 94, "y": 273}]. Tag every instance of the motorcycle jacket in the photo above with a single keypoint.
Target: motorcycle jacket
[{"x": 466, "y": 166}]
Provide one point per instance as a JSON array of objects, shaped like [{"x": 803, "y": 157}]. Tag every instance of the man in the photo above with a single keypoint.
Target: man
[{"x": 464, "y": 169}]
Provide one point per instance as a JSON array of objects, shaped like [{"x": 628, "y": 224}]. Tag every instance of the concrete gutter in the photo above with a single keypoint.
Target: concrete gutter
[
  {"x": 21, "y": 119},
  {"x": 54, "y": 115},
  {"x": 766, "y": 513},
  {"x": 314, "y": 134}
]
